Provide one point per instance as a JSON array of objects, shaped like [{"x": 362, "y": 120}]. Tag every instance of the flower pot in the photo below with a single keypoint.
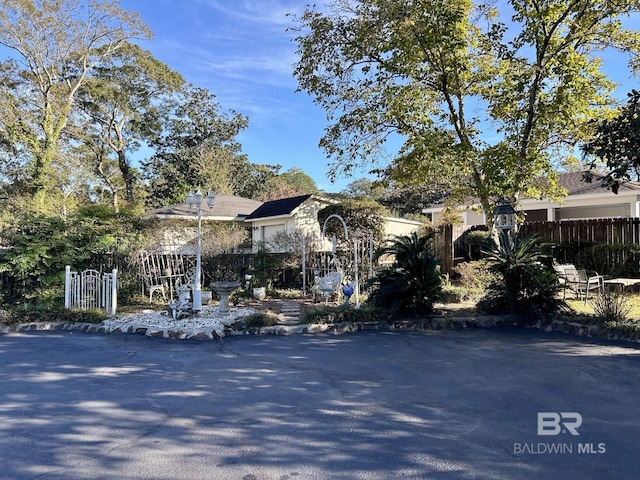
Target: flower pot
[
  {"x": 260, "y": 293},
  {"x": 206, "y": 297}
]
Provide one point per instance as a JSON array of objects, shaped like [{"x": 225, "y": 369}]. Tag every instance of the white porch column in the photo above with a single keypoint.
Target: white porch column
[{"x": 551, "y": 214}]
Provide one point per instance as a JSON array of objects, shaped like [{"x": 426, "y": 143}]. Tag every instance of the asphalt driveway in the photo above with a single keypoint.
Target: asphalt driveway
[{"x": 501, "y": 404}]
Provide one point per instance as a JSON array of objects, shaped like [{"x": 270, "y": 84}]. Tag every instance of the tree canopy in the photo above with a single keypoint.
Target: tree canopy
[
  {"x": 124, "y": 103},
  {"x": 57, "y": 44},
  {"x": 483, "y": 104},
  {"x": 616, "y": 141},
  {"x": 197, "y": 148},
  {"x": 82, "y": 106}
]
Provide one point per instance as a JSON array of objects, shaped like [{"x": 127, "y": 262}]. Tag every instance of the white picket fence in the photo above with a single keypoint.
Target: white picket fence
[{"x": 91, "y": 290}]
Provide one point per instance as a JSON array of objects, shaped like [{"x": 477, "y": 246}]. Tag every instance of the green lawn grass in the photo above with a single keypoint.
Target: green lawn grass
[{"x": 580, "y": 308}]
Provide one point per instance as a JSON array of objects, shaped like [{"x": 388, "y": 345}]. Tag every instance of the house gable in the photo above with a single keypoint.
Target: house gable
[
  {"x": 287, "y": 215},
  {"x": 278, "y": 208}
]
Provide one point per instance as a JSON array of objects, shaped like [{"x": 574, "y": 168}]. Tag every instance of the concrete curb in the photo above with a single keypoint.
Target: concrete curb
[{"x": 418, "y": 324}]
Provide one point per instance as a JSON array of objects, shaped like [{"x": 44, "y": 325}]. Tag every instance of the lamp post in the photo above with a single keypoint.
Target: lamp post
[
  {"x": 194, "y": 200},
  {"x": 505, "y": 218},
  {"x": 504, "y": 215}
]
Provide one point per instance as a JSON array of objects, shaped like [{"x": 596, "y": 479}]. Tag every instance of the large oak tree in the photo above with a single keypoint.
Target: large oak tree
[
  {"x": 56, "y": 45},
  {"x": 125, "y": 103},
  {"x": 198, "y": 148},
  {"x": 484, "y": 102}
]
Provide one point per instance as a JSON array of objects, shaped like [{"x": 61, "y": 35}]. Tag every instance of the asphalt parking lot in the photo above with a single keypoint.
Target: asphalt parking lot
[{"x": 494, "y": 404}]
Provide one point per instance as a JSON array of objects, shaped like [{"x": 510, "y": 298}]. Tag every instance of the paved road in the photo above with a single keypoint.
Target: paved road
[{"x": 441, "y": 405}]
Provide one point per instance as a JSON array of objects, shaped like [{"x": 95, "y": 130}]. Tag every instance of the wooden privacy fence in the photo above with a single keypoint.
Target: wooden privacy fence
[
  {"x": 91, "y": 290},
  {"x": 575, "y": 241},
  {"x": 609, "y": 231},
  {"x": 448, "y": 245},
  {"x": 610, "y": 245}
]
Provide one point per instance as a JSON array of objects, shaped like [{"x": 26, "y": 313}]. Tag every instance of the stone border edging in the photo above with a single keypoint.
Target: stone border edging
[{"x": 420, "y": 324}]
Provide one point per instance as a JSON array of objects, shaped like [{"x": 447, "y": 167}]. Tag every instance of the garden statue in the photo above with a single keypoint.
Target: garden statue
[
  {"x": 347, "y": 291},
  {"x": 329, "y": 284},
  {"x": 181, "y": 307}
]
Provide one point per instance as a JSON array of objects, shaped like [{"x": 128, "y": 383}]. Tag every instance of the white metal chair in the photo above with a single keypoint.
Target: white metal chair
[{"x": 578, "y": 280}]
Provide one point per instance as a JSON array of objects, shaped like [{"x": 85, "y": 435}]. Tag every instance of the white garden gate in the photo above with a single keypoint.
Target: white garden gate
[{"x": 91, "y": 290}]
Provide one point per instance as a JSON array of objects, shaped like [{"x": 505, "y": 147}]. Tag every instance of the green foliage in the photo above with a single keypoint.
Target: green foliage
[
  {"x": 615, "y": 259},
  {"x": 413, "y": 282},
  {"x": 616, "y": 141},
  {"x": 526, "y": 277},
  {"x": 438, "y": 73},
  {"x": 123, "y": 103},
  {"x": 344, "y": 313},
  {"x": 458, "y": 293},
  {"x": 39, "y": 248},
  {"x": 475, "y": 241},
  {"x": 55, "y": 313},
  {"x": 198, "y": 148},
  {"x": 58, "y": 44},
  {"x": 299, "y": 182},
  {"x": 364, "y": 214},
  {"x": 264, "y": 268},
  {"x": 261, "y": 319},
  {"x": 476, "y": 274},
  {"x": 288, "y": 293},
  {"x": 611, "y": 307}
]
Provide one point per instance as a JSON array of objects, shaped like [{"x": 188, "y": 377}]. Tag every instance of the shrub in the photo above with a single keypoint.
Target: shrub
[
  {"x": 343, "y": 313},
  {"x": 456, "y": 293},
  {"x": 475, "y": 275},
  {"x": 611, "y": 307},
  {"x": 261, "y": 319},
  {"x": 615, "y": 259},
  {"x": 42, "y": 313},
  {"x": 475, "y": 241},
  {"x": 413, "y": 282},
  {"x": 40, "y": 247},
  {"x": 526, "y": 278}
]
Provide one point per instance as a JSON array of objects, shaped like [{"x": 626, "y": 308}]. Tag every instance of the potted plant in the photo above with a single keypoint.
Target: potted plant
[{"x": 261, "y": 273}]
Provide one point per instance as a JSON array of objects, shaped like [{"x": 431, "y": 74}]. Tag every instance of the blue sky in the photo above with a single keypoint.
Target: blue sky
[{"x": 240, "y": 50}]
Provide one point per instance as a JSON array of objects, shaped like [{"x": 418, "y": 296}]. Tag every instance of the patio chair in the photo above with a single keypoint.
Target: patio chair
[{"x": 578, "y": 280}]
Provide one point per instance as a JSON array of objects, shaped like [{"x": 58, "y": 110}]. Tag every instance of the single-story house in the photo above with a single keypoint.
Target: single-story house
[
  {"x": 286, "y": 215},
  {"x": 266, "y": 219},
  {"x": 583, "y": 201},
  {"x": 226, "y": 208},
  {"x": 301, "y": 213}
]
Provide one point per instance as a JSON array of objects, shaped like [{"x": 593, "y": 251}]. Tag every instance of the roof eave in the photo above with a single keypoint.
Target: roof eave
[{"x": 272, "y": 217}]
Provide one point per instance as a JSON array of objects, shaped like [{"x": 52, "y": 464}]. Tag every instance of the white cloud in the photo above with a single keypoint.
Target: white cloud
[{"x": 265, "y": 12}]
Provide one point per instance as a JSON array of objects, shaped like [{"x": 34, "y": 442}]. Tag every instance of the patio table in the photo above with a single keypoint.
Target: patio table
[{"x": 623, "y": 283}]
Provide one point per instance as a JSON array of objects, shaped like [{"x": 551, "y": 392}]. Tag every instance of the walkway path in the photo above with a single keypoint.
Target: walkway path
[{"x": 290, "y": 311}]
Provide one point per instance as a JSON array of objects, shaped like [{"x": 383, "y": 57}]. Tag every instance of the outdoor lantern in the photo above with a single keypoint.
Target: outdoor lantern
[
  {"x": 504, "y": 215},
  {"x": 195, "y": 200}
]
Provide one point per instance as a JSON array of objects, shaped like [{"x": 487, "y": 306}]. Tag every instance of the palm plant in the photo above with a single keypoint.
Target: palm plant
[
  {"x": 526, "y": 276},
  {"x": 413, "y": 282}
]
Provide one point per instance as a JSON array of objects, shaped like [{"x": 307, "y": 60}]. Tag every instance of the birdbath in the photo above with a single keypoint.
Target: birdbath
[{"x": 224, "y": 289}]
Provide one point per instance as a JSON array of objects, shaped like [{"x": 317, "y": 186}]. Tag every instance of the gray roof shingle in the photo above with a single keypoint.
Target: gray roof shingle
[
  {"x": 225, "y": 206},
  {"x": 574, "y": 184},
  {"x": 276, "y": 208}
]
